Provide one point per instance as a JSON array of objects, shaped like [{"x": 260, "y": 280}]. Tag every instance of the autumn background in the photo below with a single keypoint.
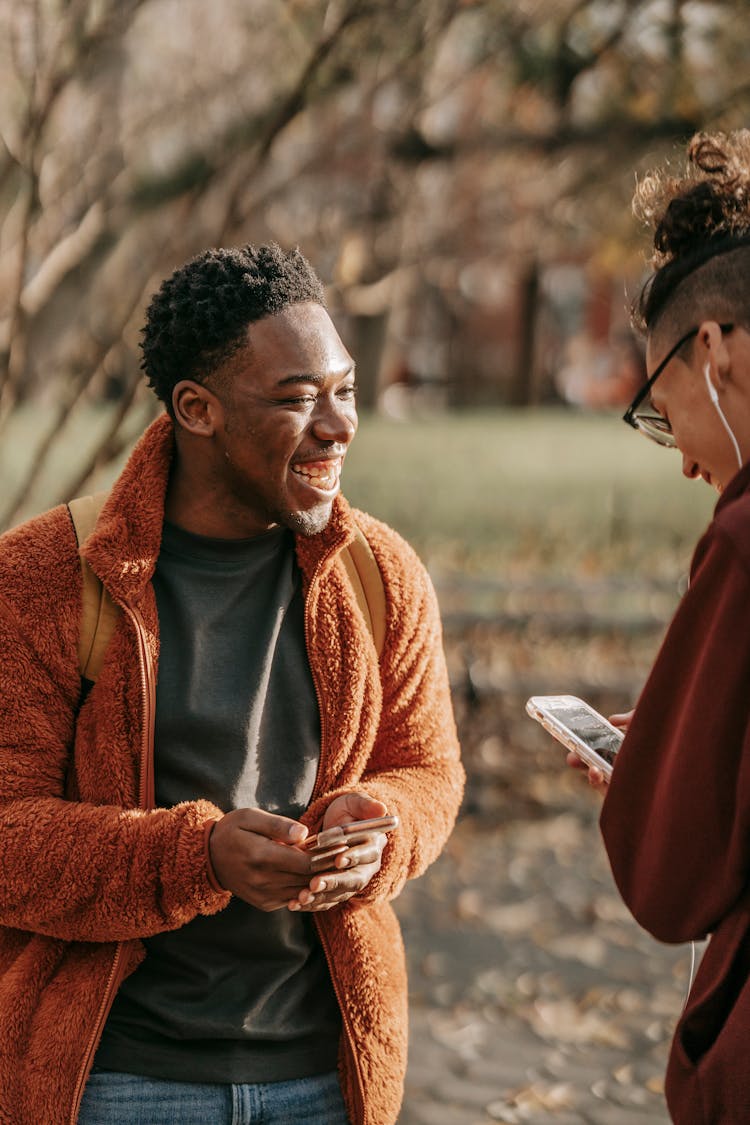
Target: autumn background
[{"x": 460, "y": 172}]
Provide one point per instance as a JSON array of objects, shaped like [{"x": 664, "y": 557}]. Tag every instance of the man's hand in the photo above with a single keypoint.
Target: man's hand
[
  {"x": 355, "y": 867},
  {"x": 254, "y": 857}
]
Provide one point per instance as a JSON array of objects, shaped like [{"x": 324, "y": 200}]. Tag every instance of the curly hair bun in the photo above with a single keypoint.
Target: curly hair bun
[{"x": 710, "y": 200}]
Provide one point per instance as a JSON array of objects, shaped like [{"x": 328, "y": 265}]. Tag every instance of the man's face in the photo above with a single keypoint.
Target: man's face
[{"x": 288, "y": 417}]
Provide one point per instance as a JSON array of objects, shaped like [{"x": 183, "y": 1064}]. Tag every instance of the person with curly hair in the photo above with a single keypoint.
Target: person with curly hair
[
  {"x": 676, "y": 814},
  {"x": 171, "y": 952}
]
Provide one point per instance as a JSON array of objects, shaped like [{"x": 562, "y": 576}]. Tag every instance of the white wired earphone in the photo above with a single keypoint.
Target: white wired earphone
[
  {"x": 691, "y": 973},
  {"x": 713, "y": 395}
]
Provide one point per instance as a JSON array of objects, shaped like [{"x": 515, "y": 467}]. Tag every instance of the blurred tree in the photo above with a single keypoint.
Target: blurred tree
[{"x": 432, "y": 157}]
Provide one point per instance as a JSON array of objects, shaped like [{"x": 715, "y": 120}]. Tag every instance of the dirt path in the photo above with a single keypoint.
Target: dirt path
[{"x": 534, "y": 996}]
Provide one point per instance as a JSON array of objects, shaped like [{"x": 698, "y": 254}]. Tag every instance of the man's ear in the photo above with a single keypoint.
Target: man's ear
[
  {"x": 196, "y": 408},
  {"x": 714, "y": 352}
]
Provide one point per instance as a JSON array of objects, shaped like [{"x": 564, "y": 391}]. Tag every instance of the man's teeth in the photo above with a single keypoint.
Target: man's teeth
[{"x": 323, "y": 474}]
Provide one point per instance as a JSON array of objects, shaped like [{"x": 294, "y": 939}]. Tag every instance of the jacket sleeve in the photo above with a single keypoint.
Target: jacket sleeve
[
  {"x": 676, "y": 819},
  {"x": 70, "y": 869},
  {"x": 415, "y": 766}
]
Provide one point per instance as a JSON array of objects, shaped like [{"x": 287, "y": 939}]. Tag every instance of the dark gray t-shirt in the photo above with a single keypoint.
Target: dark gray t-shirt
[{"x": 243, "y": 995}]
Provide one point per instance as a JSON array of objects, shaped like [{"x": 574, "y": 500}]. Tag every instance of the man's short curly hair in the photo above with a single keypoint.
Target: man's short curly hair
[{"x": 200, "y": 315}]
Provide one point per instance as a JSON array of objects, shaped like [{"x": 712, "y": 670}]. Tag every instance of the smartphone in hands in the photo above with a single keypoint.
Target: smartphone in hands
[
  {"x": 579, "y": 727},
  {"x": 324, "y": 846}
]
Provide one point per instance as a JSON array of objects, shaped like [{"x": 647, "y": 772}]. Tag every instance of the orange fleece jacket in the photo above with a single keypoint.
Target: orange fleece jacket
[{"x": 89, "y": 868}]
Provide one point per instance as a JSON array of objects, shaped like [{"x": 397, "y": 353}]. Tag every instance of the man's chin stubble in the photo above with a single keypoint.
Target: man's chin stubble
[{"x": 307, "y": 523}]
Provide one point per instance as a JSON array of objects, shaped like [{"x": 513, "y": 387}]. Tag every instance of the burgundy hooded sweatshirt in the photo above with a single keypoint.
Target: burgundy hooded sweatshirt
[{"x": 676, "y": 819}]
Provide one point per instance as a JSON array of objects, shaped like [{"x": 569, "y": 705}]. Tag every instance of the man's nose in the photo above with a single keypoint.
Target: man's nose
[{"x": 335, "y": 421}]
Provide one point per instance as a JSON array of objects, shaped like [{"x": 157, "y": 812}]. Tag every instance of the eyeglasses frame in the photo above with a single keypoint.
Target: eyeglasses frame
[{"x": 630, "y": 414}]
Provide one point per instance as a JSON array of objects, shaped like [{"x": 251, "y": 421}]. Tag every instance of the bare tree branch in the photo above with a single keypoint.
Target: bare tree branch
[
  {"x": 290, "y": 106},
  {"x": 68, "y": 253},
  {"x": 58, "y": 75},
  {"x": 112, "y": 444},
  {"x": 13, "y": 357}
]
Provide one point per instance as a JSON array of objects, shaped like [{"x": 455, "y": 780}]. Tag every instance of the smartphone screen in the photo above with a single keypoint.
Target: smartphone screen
[
  {"x": 579, "y": 727},
  {"x": 590, "y": 729}
]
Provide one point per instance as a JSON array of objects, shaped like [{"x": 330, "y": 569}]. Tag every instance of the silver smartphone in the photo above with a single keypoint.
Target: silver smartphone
[
  {"x": 579, "y": 727},
  {"x": 326, "y": 845}
]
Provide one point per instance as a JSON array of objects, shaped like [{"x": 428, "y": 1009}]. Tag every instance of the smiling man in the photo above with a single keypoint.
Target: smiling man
[{"x": 169, "y": 954}]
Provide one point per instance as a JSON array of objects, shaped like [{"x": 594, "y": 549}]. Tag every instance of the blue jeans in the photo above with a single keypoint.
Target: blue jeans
[{"x": 112, "y": 1098}]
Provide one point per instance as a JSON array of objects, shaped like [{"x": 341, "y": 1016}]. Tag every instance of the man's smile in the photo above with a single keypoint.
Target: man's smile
[{"x": 322, "y": 475}]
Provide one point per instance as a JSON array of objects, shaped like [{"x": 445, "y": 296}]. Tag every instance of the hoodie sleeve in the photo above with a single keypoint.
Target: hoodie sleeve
[
  {"x": 676, "y": 819},
  {"x": 415, "y": 766},
  {"x": 71, "y": 869}
]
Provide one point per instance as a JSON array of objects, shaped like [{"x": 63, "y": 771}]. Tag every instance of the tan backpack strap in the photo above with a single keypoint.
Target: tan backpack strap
[
  {"x": 99, "y": 613},
  {"x": 367, "y": 581}
]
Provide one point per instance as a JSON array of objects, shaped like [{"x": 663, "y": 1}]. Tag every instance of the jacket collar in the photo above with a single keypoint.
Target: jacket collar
[
  {"x": 739, "y": 483},
  {"x": 124, "y": 546}
]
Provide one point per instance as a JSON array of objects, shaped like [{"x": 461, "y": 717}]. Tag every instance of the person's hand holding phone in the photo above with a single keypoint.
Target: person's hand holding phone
[
  {"x": 597, "y": 780},
  {"x": 357, "y": 861},
  {"x": 254, "y": 856}
]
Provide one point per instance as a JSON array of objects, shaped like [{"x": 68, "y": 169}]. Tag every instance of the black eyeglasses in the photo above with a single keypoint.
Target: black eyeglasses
[{"x": 642, "y": 414}]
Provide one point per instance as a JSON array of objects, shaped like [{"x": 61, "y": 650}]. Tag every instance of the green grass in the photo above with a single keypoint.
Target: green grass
[{"x": 549, "y": 489}]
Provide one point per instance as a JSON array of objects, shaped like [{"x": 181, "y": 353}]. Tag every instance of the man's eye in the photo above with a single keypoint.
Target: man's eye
[{"x": 348, "y": 392}]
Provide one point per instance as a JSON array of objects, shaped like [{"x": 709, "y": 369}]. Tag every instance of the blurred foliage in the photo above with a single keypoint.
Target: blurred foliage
[
  {"x": 514, "y": 492},
  {"x": 425, "y": 153},
  {"x": 543, "y": 491}
]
